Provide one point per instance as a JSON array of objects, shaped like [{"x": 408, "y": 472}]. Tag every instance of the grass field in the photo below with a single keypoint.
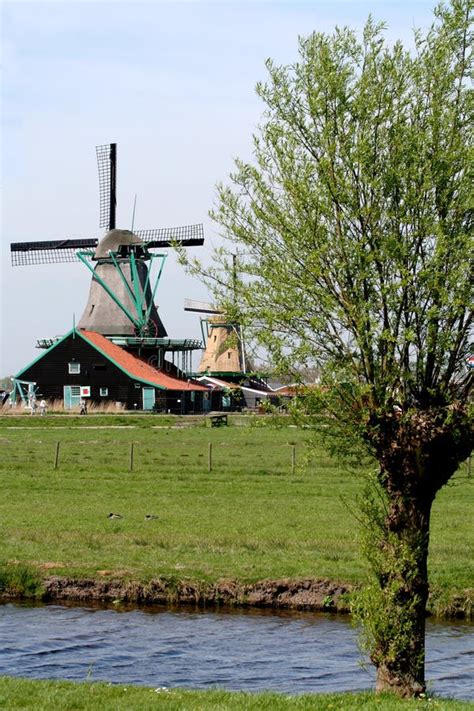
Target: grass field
[
  {"x": 61, "y": 695},
  {"x": 250, "y": 518}
]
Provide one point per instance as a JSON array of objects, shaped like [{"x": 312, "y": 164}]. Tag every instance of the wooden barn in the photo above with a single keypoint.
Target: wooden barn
[{"x": 85, "y": 365}]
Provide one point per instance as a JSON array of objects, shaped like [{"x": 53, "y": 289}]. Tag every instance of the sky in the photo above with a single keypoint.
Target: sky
[{"x": 173, "y": 84}]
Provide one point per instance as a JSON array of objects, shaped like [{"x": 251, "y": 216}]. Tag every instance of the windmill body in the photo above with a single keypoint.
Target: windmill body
[
  {"x": 224, "y": 352},
  {"x": 102, "y": 313},
  {"x": 120, "y": 296}
]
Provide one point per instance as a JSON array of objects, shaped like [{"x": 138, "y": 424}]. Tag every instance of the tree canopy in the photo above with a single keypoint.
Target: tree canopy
[{"x": 354, "y": 223}]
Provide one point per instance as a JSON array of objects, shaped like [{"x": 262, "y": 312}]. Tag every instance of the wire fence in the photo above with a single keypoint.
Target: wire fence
[{"x": 132, "y": 455}]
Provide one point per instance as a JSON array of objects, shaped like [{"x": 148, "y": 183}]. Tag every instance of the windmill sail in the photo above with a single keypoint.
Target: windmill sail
[
  {"x": 107, "y": 166},
  {"x": 187, "y": 236},
  {"x": 65, "y": 250},
  {"x": 201, "y": 307},
  {"x": 49, "y": 251}
]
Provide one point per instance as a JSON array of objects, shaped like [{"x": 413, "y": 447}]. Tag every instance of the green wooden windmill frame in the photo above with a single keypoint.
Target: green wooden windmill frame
[
  {"x": 24, "y": 389},
  {"x": 138, "y": 294}
]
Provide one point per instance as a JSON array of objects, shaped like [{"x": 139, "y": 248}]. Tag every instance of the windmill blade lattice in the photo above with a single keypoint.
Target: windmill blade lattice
[
  {"x": 187, "y": 235},
  {"x": 49, "y": 251},
  {"x": 107, "y": 166}
]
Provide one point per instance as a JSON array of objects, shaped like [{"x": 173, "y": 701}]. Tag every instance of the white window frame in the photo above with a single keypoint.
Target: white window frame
[
  {"x": 74, "y": 368},
  {"x": 103, "y": 392}
]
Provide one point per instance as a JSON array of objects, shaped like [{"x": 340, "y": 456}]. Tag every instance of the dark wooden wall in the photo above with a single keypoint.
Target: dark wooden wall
[{"x": 51, "y": 373}]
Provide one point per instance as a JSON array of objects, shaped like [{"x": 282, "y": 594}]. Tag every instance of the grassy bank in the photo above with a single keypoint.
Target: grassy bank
[
  {"x": 45, "y": 695},
  {"x": 251, "y": 518}
]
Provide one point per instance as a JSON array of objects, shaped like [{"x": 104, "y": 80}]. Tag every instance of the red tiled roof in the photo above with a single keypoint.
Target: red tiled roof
[{"x": 136, "y": 368}]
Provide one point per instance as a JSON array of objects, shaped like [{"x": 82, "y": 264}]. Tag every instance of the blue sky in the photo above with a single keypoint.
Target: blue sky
[{"x": 173, "y": 84}]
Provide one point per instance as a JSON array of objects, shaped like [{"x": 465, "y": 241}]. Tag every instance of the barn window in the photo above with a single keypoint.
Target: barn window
[
  {"x": 74, "y": 368},
  {"x": 104, "y": 392},
  {"x": 99, "y": 366}
]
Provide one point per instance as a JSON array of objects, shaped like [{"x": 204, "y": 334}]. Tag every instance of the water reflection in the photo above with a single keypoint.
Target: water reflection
[{"x": 247, "y": 650}]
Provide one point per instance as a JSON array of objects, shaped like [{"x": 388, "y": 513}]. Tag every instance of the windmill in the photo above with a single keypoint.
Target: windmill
[
  {"x": 121, "y": 295},
  {"x": 224, "y": 352}
]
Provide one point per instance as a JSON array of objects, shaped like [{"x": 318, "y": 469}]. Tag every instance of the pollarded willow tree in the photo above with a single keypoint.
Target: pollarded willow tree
[{"x": 354, "y": 228}]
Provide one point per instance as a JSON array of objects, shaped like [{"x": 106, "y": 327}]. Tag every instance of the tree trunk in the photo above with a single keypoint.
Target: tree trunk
[
  {"x": 418, "y": 453},
  {"x": 399, "y": 654}
]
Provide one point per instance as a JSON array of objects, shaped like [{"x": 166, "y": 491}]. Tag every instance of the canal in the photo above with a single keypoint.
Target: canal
[{"x": 235, "y": 650}]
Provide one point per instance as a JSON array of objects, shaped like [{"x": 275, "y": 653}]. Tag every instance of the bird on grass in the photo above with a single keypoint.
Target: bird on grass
[
  {"x": 114, "y": 515},
  {"x": 150, "y": 517}
]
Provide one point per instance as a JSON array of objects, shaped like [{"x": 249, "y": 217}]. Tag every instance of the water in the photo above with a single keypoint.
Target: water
[{"x": 244, "y": 650}]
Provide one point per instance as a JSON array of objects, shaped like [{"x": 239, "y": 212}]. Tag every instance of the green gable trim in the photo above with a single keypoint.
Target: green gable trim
[
  {"x": 42, "y": 355},
  {"x": 117, "y": 365},
  {"x": 74, "y": 332}
]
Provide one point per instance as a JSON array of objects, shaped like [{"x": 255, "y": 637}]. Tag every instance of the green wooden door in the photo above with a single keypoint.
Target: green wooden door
[
  {"x": 72, "y": 396},
  {"x": 148, "y": 395}
]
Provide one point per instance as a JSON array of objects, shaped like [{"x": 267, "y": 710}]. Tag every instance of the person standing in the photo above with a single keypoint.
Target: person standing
[{"x": 33, "y": 405}]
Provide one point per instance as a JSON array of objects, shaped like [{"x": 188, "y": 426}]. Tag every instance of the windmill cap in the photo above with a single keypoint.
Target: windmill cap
[{"x": 113, "y": 240}]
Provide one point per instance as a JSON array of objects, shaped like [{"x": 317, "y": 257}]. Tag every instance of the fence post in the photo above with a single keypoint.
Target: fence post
[
  {"x": 131, "y": 456},
  {"x": 56, "y": 456},
  {"x": 293, "y": 458},
  {"x": 209, "y": 458}
]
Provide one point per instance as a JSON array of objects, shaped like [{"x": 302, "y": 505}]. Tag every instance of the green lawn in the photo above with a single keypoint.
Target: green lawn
[
  {"x": 250, "y": 518},
  {"x": 61, "y": 695}
]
